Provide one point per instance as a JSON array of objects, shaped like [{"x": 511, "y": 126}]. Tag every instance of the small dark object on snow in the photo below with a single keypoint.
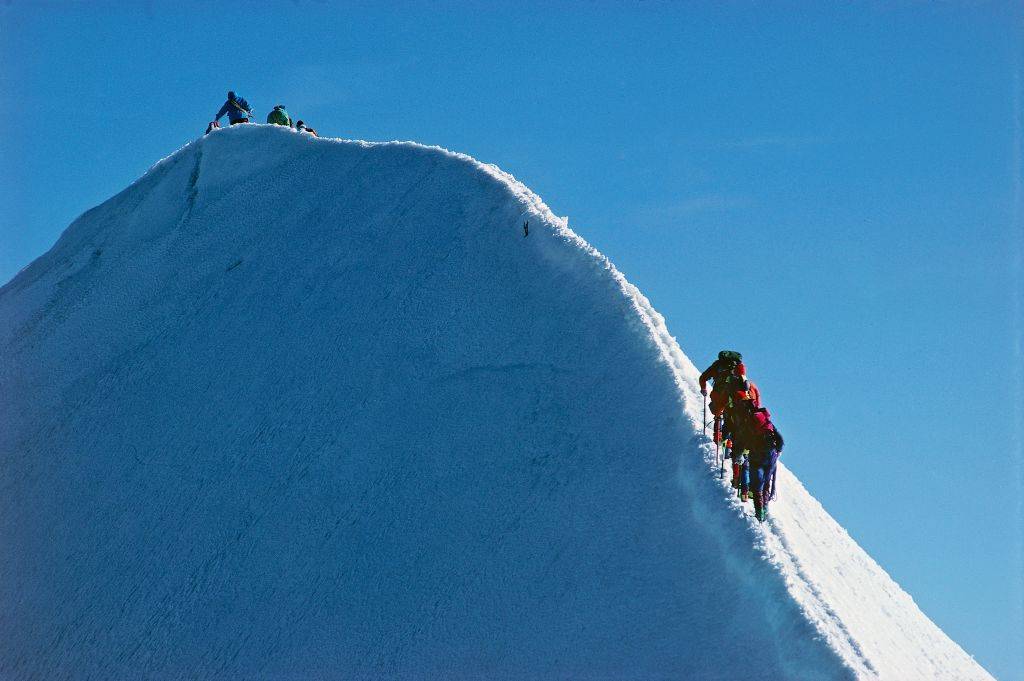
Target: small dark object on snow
[
  {"x": 214, "y": 125},
  {"x": 526, "y": 228}
]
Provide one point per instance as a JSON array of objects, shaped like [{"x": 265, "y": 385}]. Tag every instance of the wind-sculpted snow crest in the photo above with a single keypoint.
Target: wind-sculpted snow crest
[{"x": 290, "y": 407}]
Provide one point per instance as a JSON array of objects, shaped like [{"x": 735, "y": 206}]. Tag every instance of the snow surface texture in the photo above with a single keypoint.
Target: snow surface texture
[{"x": 291, "y": 407}]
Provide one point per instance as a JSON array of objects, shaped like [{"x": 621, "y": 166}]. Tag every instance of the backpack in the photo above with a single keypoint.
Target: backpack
[
  {"x": 761, "y": 431},
  {"x": 725, "y": 372},
  {"x": 279, "y": 117},
  {"x": 730, "y": 356}
]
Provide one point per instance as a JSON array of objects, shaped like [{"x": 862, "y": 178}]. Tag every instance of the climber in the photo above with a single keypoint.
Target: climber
[
  {"x": 722, "y": 372},
  {"x": 732, "y": 442},
  {"x": 764, "y": 443},
  {"x": 733, "y": 432},
  {"x": 279, "y": 116},
  {"x": 237, "y": 109},
  {"x": 302, "y": 127},
  {"x": 728, "y": 375}
]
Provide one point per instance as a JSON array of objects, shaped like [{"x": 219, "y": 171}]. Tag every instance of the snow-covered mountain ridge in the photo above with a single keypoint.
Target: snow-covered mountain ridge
[{"x": 291, "y": 407}]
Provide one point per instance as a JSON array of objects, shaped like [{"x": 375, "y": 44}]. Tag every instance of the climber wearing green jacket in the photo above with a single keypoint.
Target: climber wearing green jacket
[{"x": 279, "y": 116}]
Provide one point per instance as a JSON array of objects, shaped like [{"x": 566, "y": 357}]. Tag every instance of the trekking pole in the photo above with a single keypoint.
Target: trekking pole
[{"x": 704, "y": 399}]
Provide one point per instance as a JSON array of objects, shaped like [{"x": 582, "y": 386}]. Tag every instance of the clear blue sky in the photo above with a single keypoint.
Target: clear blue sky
[{"x": 834, "y": 191}]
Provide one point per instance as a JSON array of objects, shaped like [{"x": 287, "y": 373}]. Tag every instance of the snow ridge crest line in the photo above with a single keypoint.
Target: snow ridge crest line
[
  {"x": 194, "y": 278},
  {"x": 771, "y": 538}
]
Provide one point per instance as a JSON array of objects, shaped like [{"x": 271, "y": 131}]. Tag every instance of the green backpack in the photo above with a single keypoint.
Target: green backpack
[
  {"x": 730, "y": 356},
  {"x": 724, "y": 377},
  {"x": 279, "y": 116}
]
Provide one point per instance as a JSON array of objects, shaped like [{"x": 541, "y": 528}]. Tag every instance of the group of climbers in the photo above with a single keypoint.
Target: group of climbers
[
  {"x": 279, "y": 116},
  {"x": 239, "y": 111},
  {"x": 743, "y": 429}
]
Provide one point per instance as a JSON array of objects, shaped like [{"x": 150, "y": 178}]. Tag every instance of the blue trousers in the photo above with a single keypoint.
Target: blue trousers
[
  {"x": 762, "y": 469},
  {"x": 740, "y": 473}
]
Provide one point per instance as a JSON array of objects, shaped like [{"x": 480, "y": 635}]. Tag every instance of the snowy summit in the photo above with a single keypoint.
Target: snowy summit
[{"x": 296, "y": 408}]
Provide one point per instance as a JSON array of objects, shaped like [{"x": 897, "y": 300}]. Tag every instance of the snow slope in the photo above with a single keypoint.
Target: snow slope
[{"x": 301, "y": 408}]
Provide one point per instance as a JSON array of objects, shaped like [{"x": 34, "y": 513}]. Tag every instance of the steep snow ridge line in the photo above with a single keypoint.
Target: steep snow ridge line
[
  {"x": 797, "y": 585},
  {"x": 770, "y": 539},
  {"x": 685, "y": 374},
  {"x": 805, "y": 590},
  {"x": 828, "y": 551},
  {"x": 811, "y": 592},
  {"x": 766, "y": 575}
]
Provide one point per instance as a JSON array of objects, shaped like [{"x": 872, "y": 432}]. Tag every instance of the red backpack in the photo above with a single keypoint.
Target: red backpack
[{"x": 761, "y": 430}]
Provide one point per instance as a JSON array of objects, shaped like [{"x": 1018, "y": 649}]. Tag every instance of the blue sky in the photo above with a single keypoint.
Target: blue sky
[{"x": 832, "y": 190}]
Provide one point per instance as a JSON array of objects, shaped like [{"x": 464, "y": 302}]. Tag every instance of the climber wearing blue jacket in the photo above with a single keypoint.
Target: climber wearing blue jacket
[{"x": 237, "y": 109}]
